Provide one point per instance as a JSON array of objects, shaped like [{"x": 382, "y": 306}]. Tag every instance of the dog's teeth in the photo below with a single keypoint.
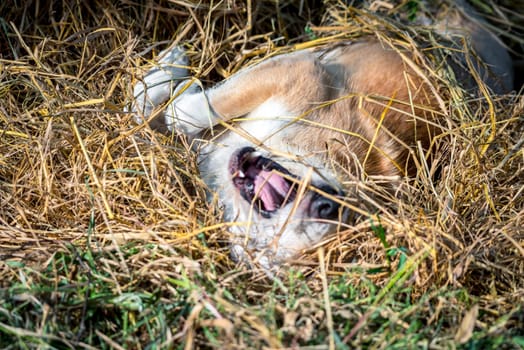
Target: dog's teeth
[{"x": 241, "y": 174}]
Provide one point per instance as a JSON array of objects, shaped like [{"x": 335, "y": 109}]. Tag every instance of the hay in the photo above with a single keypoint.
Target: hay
[{"x": 104, "y": 225}]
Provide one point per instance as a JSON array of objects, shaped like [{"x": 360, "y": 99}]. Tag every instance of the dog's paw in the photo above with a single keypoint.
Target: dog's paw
[
  {"x": 190, "y": 112},
  {"x": 174, "y": 59},
  {"x": 157, "y": 85}
]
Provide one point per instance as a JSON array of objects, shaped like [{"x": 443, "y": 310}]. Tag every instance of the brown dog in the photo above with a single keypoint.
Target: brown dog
[{"x": 288, "y": 131}]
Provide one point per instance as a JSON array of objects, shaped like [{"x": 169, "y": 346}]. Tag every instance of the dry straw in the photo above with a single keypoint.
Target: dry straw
[{"x": 75, "y": 170}]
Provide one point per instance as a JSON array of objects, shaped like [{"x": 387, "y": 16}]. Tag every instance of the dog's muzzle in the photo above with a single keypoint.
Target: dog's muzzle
[
  {"x": 268, "y": 186},
  {"x": 325, "y": 208}
]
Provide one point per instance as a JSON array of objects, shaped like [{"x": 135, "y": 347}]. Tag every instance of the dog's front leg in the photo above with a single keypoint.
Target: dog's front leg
[{"x": 294, "y": 80}]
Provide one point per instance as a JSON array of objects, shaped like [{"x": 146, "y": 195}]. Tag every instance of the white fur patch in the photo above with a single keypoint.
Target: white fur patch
[{"x": 157, "y": 85}]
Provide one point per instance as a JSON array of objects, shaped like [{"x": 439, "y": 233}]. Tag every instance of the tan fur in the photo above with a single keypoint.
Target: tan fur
[{"x": 345, "y": 83}]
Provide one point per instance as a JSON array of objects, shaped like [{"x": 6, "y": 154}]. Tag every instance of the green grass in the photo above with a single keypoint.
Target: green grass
[{"x": 79, "y": 299}]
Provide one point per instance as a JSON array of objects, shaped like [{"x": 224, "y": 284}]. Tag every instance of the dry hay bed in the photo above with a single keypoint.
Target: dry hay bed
[{"x": 107, "y": 241}]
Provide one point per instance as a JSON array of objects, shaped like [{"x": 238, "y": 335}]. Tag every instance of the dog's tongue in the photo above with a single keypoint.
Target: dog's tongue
[{"x": 271, "y": 189}]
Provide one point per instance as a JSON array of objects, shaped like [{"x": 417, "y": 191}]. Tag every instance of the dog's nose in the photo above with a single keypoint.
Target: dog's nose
[{"x": 323, "y": 207}]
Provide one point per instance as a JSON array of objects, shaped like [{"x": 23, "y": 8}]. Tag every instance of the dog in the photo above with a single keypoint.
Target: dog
[{"x": 276, "y": 141}]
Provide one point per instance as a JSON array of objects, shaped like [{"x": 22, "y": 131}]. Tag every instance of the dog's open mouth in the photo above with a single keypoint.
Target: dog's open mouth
[{"x": 261, "y": 181}]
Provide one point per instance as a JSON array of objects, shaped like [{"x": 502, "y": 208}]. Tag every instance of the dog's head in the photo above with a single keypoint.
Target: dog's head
[{"x": 277, "y": 205}]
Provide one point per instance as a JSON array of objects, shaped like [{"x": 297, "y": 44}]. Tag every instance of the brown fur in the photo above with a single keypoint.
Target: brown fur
[{"x": 352, "y": 92}]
